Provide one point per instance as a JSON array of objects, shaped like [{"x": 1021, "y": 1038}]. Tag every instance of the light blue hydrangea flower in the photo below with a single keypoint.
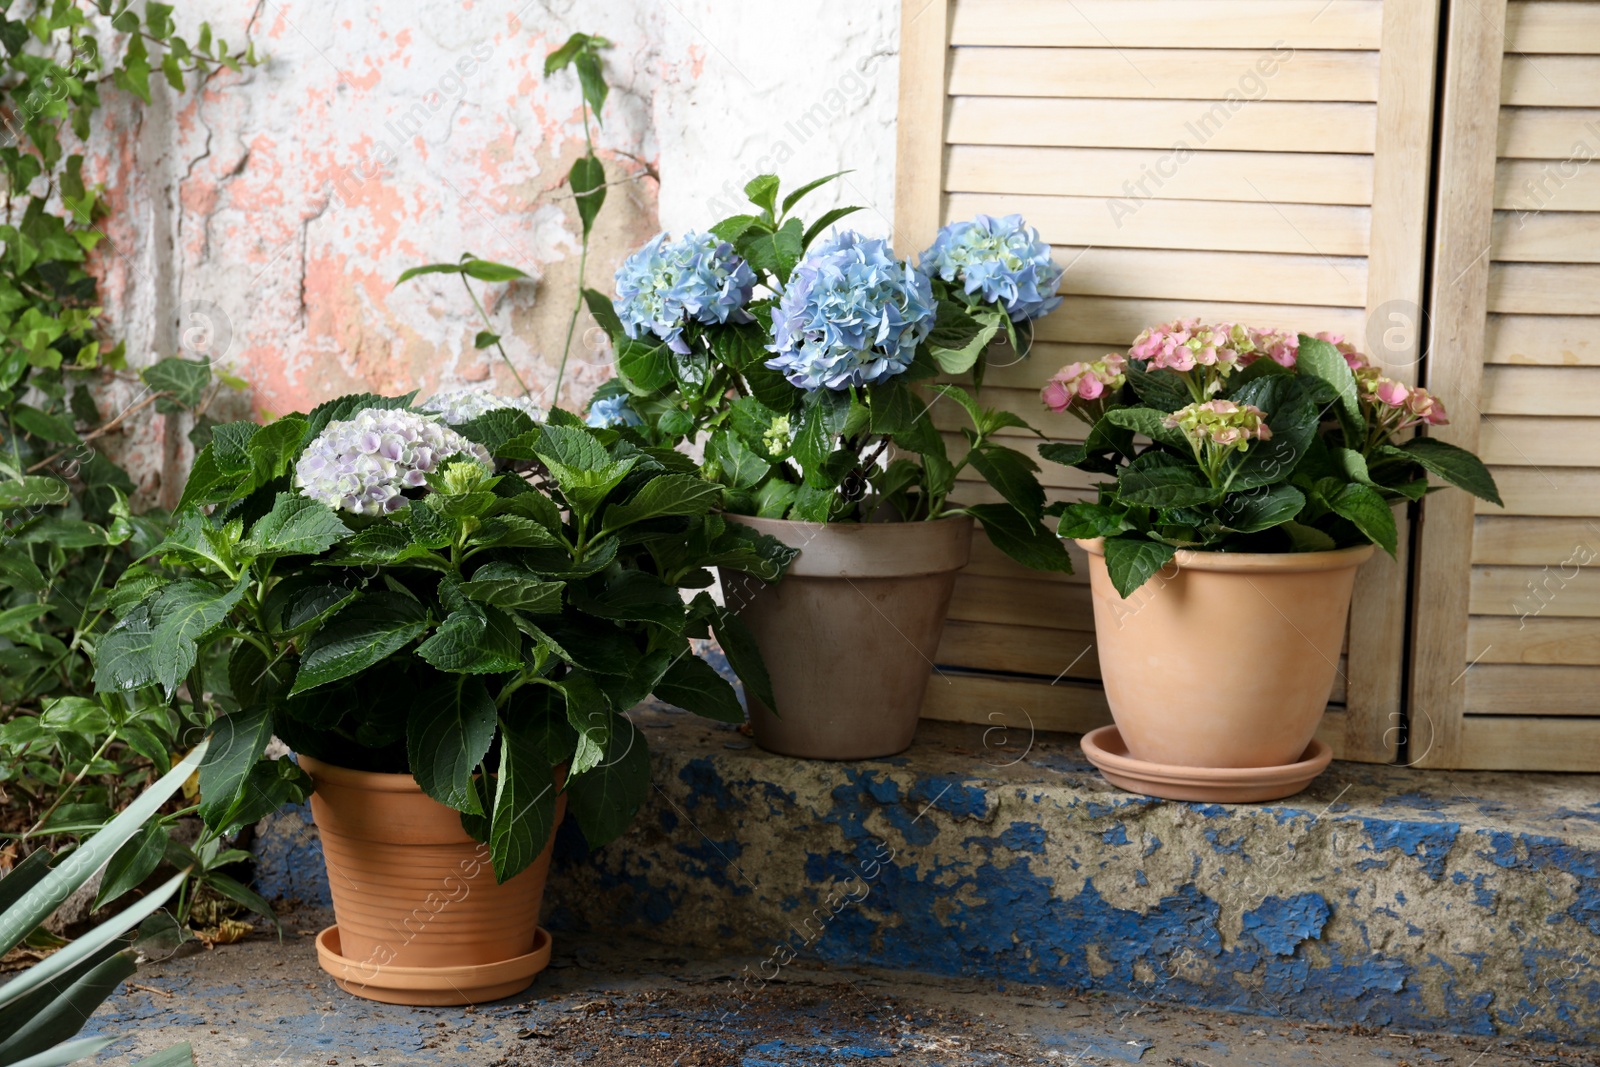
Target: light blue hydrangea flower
[
  {"x": 666, "y": 284},
  {"x": 463, "y": 405},
  {"x": 852, "y": 314},
  {"x": 1003, "y": 259},
  {"x": 364, "y": 464},
  {"x": 612, "y": 411}
]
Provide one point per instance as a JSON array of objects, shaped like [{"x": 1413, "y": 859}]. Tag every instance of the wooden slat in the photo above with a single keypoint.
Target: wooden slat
[
  {"x": 1546, "y": 132},
  {"x": 1552, "y": 26},
  {"x": 1239, "y": 126},
  {"x": 1527, "y": 185},
  {"x": 1115, "y": 322},
  {"x": 1019, "y": 649},
  {"x": 1043, "y": 359},
  {"x": 1170, "y": 74},
  {"x": 1555, "y": 492},
  {"x": 1537, "y": 592},
  {"x": 1546, "y": 340},
  {"x": 1203, "y": 225},
  {"x": 1393, "y": 336},
  {"x": 990, "y": 561},
  {"x": 1030, "y": 603},
  {"x": 1544, "y": 289},
  {"x": 1020, "y": 706},
  {"x": 1528, "y": 743},
  {"x": 1517, "y": 440},
  {"x": 1547, "y": 237},
  {"x": 1498, "y": 689},
  {"x": 1550, "y": 81},
  {"x": 1277, "y": 279},
  {"x": 1277, "y": 177},
  {"x": 1339, "y": 24},
  {"x": 919, "y": 144},
  {"x": 1465, "y": 168},
  {"x": 1502, "y": 639},
  {"x": 1564, "y": 544},
  {"x": 1512, "y": 390}
]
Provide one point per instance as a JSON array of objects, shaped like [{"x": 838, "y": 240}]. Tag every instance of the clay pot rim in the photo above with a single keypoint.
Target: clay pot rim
[
  {"x": 371, "y": 781},
  {"x": 1284, "y": 562},
  {"x": 872, "y": 549}
]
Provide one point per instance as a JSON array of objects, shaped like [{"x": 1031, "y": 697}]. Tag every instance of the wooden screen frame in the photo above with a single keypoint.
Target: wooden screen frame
[{"x": 1371, "y": 724}]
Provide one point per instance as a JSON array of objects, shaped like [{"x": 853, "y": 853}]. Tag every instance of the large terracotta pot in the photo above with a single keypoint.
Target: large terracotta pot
[
  {"x": 420, "y": 918},
  {"x": 850, "y": 633},
  {"x": 1223, "y": 659}
]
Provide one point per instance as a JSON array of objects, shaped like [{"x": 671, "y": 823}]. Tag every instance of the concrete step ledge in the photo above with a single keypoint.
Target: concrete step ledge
[{"x": 1390, "y": 897}]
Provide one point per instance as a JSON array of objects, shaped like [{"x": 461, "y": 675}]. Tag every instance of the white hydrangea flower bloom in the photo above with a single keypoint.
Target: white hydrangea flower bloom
[
  {"x": 463, "y": 405},
  {"x": 363, "y": 465}
]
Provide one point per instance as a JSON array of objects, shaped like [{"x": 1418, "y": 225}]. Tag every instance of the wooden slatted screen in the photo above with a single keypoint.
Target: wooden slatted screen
[
  {"x": 1508, "y": 620},
  {"x": 1256, "y": 161}
]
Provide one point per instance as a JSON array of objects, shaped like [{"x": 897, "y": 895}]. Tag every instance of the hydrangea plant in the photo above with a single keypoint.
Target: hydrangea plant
[
  {"x": 479, "y": 606},
  {"x": 1258, "y": 441},
  {"x": 803, "y": 365}
]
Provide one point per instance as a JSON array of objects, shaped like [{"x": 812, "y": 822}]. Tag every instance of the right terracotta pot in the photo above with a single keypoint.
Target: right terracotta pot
[{"x": 1223, "y": 660}]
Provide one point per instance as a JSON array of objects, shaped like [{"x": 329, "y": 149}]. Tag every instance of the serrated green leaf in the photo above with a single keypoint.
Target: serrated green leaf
[
  {"x": 360, "y": 635},
  {"x": 1132, "y": 561},
  {"x": 1370, "y": 513},
  {"x": 448, "y": 733},
  {"x": 1453, "y": 464},
  {"x": 477, "y": 639},
  {"x": 237, "y": 742},
  {"x": 296, "y": 526}
]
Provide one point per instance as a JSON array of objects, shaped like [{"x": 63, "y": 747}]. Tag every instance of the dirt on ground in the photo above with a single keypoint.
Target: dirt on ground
[{"x": 266, "y": 1004}]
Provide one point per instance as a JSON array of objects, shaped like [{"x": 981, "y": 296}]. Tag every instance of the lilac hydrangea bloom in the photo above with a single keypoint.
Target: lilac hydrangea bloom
[
  {"x": 666, "y": 284},
  {"x": 463, "y": 405},
  {"x": 612, "y": 411},
  {"x": 852, "y": 314},
  {"x": 364, "y": 464},
  {"x": 1003, "y": 259}
]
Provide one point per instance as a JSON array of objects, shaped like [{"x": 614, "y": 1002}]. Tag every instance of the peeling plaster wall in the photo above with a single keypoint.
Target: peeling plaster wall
[{"x": 262, "y": 219}]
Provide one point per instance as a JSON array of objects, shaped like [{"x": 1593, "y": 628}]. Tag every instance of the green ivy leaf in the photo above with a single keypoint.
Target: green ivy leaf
[{"x": 186, "y": 380}]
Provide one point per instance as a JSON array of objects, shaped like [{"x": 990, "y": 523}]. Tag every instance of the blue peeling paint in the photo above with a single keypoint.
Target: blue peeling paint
[{"x": 1429, "y": 842}]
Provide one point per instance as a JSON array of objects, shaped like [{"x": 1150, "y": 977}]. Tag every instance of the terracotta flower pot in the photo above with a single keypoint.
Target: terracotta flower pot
[
  {"x": 1223, "y": 659},
  {"x": 420, "y": 917},
  {"x": 850, "y": 633}
]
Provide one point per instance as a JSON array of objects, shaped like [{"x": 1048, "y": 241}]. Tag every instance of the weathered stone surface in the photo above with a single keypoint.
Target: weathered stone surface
[{"x": 1385, "y": 896}]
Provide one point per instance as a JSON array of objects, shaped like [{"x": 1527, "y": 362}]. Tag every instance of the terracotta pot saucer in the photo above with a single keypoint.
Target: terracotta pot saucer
[
  {"x": 1218, "y": 785},
  {"x": 432, "y": 986}
]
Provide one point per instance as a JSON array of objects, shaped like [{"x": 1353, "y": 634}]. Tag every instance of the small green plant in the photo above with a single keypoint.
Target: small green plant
[
  {"x": 586, "y": 179},
  {"x": 66, "y": 531},
  {"x": 45, "y": 1006}
]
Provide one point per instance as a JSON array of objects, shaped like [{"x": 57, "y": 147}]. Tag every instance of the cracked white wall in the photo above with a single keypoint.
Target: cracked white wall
[{"x": 263, "y": 218}]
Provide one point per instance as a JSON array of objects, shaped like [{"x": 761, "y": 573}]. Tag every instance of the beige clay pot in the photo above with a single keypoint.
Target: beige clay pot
[
  {"x": 1223, "y": 659},
  {"x": 850, "y": 633},
  {"x": 420, "y": 917}
]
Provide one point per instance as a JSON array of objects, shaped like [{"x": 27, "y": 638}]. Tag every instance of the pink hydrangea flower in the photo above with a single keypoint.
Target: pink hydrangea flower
[
  {"x": 1391, "y": 392},
  {"x": 1083, "y": 381},
  {"x": 1185, "y": 344},
  {"x": 1221, "y": 424}
]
